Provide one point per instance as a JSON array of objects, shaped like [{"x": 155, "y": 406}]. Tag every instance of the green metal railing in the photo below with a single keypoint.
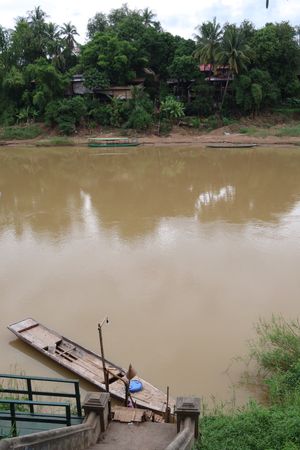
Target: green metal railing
[
  {"x": 13, "y": 413},
  {"x": 30, "y": 392}
]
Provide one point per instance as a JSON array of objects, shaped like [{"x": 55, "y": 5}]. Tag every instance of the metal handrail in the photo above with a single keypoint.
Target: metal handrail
[
  {"x": 30, "y": 392},
  {"x": 18, "y": 416}
]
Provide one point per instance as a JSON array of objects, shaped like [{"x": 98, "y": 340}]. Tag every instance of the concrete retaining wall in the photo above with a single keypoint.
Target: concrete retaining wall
[
  {"x": 186, "y": 438},
  {"x": 77, "y": 437}
]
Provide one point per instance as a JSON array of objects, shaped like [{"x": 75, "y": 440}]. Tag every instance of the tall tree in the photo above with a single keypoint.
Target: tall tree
[
  {"x": 297, "y": 29},
  {"x": 37, "y": 22},
  {"x": 36, "y": 17},
  {"x": 115, "y": 59},
  {"x": 148, "y": 17},
  {"x": 208, "y": 42},
  {"x": 234, "y": 53},
  {"x": 4, "y": 47},
  {"x": 68, "y": 33},
  {"x": 276, "y": 51},
  {"x": 54, "y": 41},
  {"x": 98, "y": 24}
]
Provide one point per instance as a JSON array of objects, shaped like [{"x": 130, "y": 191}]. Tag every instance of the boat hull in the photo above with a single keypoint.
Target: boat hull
[
  {"x": 230, "y": 145},
  {"x": 87, "y": 364},
  {"x": 112, "y": 145}
]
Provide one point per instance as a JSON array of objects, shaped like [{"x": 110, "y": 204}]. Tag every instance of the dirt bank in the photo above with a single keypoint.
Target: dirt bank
[{"x": 179, "y": 136}]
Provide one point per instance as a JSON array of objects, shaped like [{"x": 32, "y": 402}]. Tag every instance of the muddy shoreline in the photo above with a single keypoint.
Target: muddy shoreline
[{"x": 179, "y": 136}]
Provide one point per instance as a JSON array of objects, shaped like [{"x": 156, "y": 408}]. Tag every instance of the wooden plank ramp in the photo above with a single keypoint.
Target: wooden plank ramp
[{"x": 128, "y": 415}]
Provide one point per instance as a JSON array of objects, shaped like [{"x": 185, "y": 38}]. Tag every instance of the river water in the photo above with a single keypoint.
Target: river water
[{"x": 183, "y": 248}]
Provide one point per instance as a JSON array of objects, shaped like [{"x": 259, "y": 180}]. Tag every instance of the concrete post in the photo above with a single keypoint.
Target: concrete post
[
  {"x": 187, "y": 412},
  {"x": 100, "y": 404}
]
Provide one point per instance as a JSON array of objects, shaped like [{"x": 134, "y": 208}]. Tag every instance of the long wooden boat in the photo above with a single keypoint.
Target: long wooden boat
[
  {"x": 230, "y": 145},
  {"x": 113, "y": 142},
  {"x": 87, "y": 364}
]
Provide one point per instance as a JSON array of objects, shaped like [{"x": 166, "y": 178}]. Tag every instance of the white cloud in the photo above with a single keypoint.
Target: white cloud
[{"x": 177, "y": 17}]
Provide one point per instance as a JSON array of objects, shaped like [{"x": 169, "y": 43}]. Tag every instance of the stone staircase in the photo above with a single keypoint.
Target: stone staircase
[{"x": 136, "y": 436}]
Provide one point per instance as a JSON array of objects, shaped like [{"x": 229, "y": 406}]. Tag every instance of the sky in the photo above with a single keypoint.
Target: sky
[{"x": 177, "y": 17}]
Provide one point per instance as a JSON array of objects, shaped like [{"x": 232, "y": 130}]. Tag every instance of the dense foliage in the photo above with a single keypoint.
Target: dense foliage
[
  {"x": 256, "y": 427},
  {"x": 125, "y": 47}
]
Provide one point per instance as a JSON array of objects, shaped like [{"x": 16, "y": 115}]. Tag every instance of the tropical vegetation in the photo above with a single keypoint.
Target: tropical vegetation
[
  {"x": 128, "y": 47},
  {"x": 276, "y": 424}
]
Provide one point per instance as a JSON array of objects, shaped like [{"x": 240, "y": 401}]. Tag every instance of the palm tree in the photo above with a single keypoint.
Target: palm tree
[
  {"x": 36, "y": 17},
  {"x": 208, "y": 42},
  {"x": 298, "y": 35},
  {"x": 55, "y": 45},
  {"x": 234, "y": 53},
  {"x": 148, "y": 17},
  {"x": 36, "y": 21},
  {"x": 53, "y": 39},
  {"x": 5, "y": 41},
  {"x": 68, "y": 32}
]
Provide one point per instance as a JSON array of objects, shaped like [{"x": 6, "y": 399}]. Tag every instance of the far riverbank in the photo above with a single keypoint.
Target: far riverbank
[
  {"x": 175, "y": 138},
  {"x": 260, "y": 131}
]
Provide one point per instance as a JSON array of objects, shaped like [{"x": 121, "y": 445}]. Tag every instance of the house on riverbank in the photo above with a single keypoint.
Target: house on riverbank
[{"x": 78, "y": 87}]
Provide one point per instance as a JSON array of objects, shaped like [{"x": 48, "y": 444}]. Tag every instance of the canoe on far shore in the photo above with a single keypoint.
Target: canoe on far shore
[
  {"x": 230, "y": 145},
  {"x": 88, "y": 365},
  {"x": 113, "y": 142}
]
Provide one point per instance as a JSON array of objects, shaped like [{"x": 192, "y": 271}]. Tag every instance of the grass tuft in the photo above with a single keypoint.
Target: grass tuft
[
  {"x": 254, "y": 131},
  {"x": 276, "y": 351},
  {"x": 55, "y": 142},
  {"x": 293, "y": 131},
  {"x": 19, "y": 133}
]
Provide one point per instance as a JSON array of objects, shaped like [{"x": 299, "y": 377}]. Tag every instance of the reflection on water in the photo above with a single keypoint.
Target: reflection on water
[
  {"x": 45, "y": 191},
  {"x": 225, "y": 194},
  {"x": 183, "y": 248}
]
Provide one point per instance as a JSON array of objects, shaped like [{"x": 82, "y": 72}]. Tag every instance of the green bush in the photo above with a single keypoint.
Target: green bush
[
  {"x": 66, "y": 113},
  {"x": 171, "y": 108},
  {"x": 203, "y": 102},
  {"x": 118, "y": 112},
  {"x": 244, "y": 130},
  {"x": 289, "y": 131},
  {"x": 139, "y": 110},
  {"x": 99, "y": 113},
  {"x": 254, "y": 131},
  {"x": 227, "y": 121},
  {"x": 139, "y": 119},
  {"x": 294, "y": 101},
  {"x": 165, "y": 127},
  {"x": 199, "y": 106},
  {"x": 55, "y": 142},
  {"x": 66, "y": 127},
  {"x": 210, "y": 123},
  {"x": 276, "y": 351},
  {"x": 195, "y": 122},
  {"x": 254, "y": 428},
  {"x": 8, "y": 114},
  {"x": 26, "y": 132}
]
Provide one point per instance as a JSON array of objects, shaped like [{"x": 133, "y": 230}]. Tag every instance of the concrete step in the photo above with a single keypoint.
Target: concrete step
[{"x": 138, "y": 436}]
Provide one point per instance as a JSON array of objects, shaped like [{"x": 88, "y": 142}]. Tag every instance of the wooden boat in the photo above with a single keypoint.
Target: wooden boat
[
  {"x": 113, "y": 142},
  {"x": 230, "y": 145},
  {"x": 87, "y": 364}
]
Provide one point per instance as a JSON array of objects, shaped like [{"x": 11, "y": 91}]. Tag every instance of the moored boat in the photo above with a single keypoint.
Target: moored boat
[
  {"x": 113, "y": 142},
  {"x": 230, "y": 145},
  {"x": 88, "y": 365}
]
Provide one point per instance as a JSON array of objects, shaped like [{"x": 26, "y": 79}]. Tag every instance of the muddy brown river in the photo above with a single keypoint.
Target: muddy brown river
[{"x": 183, "y": 248}]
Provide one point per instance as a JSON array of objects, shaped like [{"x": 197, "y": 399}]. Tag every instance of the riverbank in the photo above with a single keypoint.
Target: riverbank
[
  {"x": 275, "y": 351},
  {"x": 243, "y": 132},
  {"x": 173, "y": 139}
]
